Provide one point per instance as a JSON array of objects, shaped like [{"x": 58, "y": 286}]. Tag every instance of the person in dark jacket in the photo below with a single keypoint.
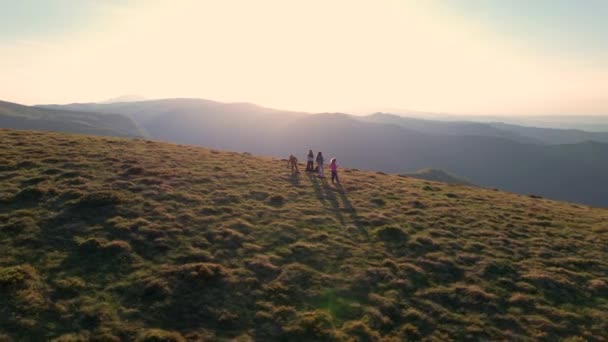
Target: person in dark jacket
[
  {"x": 310, "y": 166},
  {"x": 320, "y": 164}
]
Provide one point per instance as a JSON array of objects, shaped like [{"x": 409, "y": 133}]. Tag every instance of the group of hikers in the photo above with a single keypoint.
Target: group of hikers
[{"x": 310, "y": 165}]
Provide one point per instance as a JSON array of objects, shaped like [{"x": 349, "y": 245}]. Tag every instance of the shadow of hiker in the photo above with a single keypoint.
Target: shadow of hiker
[
  {"x": 315, "y": 184},
  {"x": 333, "y": 200},
  {"x": 294, "y": 179},
  {"x": 326, "y": 194},
  {"x": 347, "y": 205}
]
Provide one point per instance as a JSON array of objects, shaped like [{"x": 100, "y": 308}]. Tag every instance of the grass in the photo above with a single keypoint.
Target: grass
[{"x": 114, "y": 239}]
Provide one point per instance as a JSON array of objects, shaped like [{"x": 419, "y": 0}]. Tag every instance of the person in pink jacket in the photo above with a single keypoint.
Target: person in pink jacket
[{"x": 333, "y": 166}]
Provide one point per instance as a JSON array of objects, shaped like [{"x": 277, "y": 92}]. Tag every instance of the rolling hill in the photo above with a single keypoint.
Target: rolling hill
[
  {"x": 512, "y": 158},
  {"x": 17, "y": 116},
  {"x": 111, "y": 239},
  {"x": 438, "y": 176},
  {"x": 517, "y": 133}
]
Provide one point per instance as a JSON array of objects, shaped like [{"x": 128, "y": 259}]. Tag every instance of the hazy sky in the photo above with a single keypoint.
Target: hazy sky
[{"x": 464, "y": 56}]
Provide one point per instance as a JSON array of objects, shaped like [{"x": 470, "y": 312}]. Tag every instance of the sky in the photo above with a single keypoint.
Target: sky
[{"x": 491, "y": 57}]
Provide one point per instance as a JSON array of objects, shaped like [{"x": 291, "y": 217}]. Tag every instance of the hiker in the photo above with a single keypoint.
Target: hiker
[
  {"x": 320, "y": 164},
  {"x": 310, "y": 166},
  {"x": 333, "y": 166},
  {"x": 293, "y": 163}
]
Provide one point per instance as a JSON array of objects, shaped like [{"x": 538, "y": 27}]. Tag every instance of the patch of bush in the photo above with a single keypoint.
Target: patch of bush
[
  {"x": 258, "y": 195},
  {"x": 134, "y": 171},
  {"x": 423, "y": 244},
  {"x": 18, "y": 276},
  {"x": 462, "y": 296},
  {"x": 391, "y": 235},
  {"x": 263, "y": 267},
  {"x": 69, "y": 287},
  {"x": 27, "y": 164},
  {"x": 205, "y": 272},
  {"x": 30, "y": 194},
  {"x": 22, "y": 292},
  {"x": 158, "y": 335},
  {"x": 554, "y": 286},
  {"x": 311, "y": 326},
  {"x": 226, "y": 237},
  {"x": 418, "y": 205},
  {"x": 20, "y": 224},
  {"x": 224, "y": 198},
  {"x": 496, "y": 269},
  {"x": 360, "y": 332},
  {"x": 441, "y": 268},
  {"x": 93, "y": 247},
  {"x": 100, "y": 199},
  {"x": 52, "y": 171},
  {"x": 378, "y": 202},
  {"x": 71, "y": 174},
  {"x": 277, "y": 200},
  {"x": 599, "y": 286}
]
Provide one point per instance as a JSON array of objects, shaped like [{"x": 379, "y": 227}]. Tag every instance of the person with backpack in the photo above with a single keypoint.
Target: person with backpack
[
  {"x": 333, "y": 166},
  {"x": 320, "y": 164},
  {"x": 310, "y": 166},
  {"x": 293, "y": 163}
]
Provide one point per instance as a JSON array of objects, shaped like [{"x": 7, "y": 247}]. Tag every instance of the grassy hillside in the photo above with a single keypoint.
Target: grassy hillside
[
  {"x": 112, "y": 239},
  {"x": 438, "y": 176},
  {"x": 17, "y": 116}
]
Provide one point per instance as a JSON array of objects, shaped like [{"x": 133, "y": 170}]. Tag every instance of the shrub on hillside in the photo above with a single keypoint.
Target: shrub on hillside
[
  {"x": 360, "y": 332},
  {"x": 391, "y": 235},
  {"x": 277, "y": 200},
  {"x": 199, "y": 272},
  {"x": 17, "y": 277},
  {"x": 311, "y": 326},
  {"x": 95, "y": 247},
  {"x": 462, "y": 296},
  {"x": 19, "y": 225},
  {"x": 263, "y": 267},
  {"x": 134, "y": 171},
  {"x": 497, "y": 269},
  {"x": 100, "y": 199},
  {"x": 27, "y": 164},
  {"x": 225, "y": 198},
  {"x": 32, "y": 193},
  {"x": 22, "y": 293},
  {"x": 441, "y": 268},
  {"x": 158, "y": 335},
  {"x": 378, "y": 201}
]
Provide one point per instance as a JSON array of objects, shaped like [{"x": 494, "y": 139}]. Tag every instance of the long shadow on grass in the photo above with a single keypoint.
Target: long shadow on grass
[
  {"x": 294, "y": 179},
  {"x": 325, "y": 194},
  {"x": 348, "y": 206},
  {"x": 333, "y": 200},
  {"x": 317, "y": 187}
]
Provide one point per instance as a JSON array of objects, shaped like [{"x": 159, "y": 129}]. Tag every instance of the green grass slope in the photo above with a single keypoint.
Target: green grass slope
[
  {"x": 436, "y": 175},
  {"x": 16, "y": 116},
  {"x": 110, "y": 239}
]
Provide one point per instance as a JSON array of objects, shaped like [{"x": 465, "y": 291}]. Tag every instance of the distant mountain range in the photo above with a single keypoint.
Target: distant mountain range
[
  {"x": 561, "y": 164},
  {"x": 17, "y": 116},
  {"x": 126, "y": 98}
]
